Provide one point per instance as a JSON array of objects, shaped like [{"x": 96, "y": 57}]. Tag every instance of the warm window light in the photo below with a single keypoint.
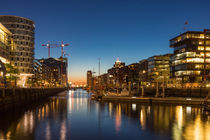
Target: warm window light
[
  {"x": 200, "y": 48},
  {"x": 201, "y": 35},
  {"x": 200, "y": 42},
  {"x": 2, "y": 34}
]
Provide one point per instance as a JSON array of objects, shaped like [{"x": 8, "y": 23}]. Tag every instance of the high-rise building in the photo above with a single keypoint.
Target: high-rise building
[
  {"x": 191, "y": 58},
  {"x": 22, "y": 55},
  {"x": 89, "y": 79}
]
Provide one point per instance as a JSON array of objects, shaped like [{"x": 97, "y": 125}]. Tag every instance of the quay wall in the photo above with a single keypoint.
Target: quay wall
[
  {"x": 175, "y": 92},
  {"x": 20, "y": 96},
  {"x": 170, "y": 100}
]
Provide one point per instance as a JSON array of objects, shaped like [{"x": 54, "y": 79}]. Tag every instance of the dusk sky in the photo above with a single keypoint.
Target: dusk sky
[{"x": 130, "y": 30}]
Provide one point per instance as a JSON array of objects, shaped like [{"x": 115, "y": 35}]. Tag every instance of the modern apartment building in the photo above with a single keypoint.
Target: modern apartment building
[
  {"x": 159, "y": 67},
  {"x": 22, "y": 55},
  {"x": 191, "y": 58}
]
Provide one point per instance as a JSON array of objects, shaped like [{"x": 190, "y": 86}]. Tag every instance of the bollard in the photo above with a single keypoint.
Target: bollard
[
  {"x": 157, "y": 90},
  {"x": 142, "y": 91},
  {"x": 163, "y": 89},
  {"x": 129, "y": 88}
]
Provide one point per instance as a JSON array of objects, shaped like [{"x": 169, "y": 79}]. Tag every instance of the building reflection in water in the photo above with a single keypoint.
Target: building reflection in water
[
  {"x": 54, "y": 118},
  {"x": 143, "y": 118},
  {"x": 182, "y": 122},
  {"x": 26, "y": 123},
  {"x": 110, "y": 109},
  {"x": 118, "y": 118},
  {"x": 63, "y": 130},
  {"x": 48, "y": 133}
]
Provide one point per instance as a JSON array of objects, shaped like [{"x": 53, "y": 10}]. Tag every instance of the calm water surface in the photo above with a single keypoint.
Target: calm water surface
[{"x": 72, "y": 115}]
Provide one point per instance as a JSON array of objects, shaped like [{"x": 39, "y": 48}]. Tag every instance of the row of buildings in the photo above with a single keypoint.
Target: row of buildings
[
  {"x": 187, "y": 66},
  {"x": 17, "y": 35}
]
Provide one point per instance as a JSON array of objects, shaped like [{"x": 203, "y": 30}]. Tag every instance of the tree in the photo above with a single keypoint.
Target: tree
[{"x": 12, "y": 73}]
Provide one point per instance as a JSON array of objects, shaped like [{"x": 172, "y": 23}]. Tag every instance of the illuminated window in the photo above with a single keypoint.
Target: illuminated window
[
  {"x": 201, "y": 42},
  {"x": 198, "y": 66},
  {"x": 207, "y": 42},
  {"x": 198, "y": 60},
  {"x": 208, "y": 60},
  {"x": 200, "y": 48},
  {"x": 201, "y": 36},
  {"x": 207, "y": 54},
  {"x": 190, "y": 54}
]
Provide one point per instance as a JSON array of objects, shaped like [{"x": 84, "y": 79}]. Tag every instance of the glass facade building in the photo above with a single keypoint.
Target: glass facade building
[
  {"x": 159, "y": 67},
  {"x": 190, "y": 62}
]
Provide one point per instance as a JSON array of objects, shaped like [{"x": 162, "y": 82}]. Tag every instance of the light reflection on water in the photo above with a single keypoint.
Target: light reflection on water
[{"x": 72, "y": 115}]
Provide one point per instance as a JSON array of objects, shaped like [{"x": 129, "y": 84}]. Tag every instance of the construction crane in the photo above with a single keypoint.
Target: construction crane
[
  {"x": 62, "y": 45},
  {"x": 49, "y": 46}
]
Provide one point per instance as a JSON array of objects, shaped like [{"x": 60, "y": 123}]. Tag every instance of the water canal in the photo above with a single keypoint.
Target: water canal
[{"x": 72, "y": 115}]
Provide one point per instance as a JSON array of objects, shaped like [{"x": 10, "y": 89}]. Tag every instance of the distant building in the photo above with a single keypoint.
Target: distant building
[
  {"x": 89, "y": 79},
  {"x": 159, "y": 67},
  {"x": 191, "y": 58},
  {"x": 64, "y": 70},
  {"x": 37, "y": 77},
  {"x": 57, "y": 71},
  {"x": 133, "y": 73},
  {"x": 118, "y": 64},
  {"x": 143, "y": 71},
  {"x": 116, "y": 74}
]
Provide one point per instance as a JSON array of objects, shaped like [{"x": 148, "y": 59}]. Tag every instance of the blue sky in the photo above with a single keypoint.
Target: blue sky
[{"x": 129, "y": 29}]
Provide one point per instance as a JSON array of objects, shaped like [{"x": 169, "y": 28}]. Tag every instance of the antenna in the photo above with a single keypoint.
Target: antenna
[
  {"x": 185, "y": 25},
  {"x": 99, "y": 66}
]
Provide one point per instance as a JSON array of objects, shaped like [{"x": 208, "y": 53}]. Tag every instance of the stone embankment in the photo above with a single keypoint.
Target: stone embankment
[{"x": 20, "y": 96}]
